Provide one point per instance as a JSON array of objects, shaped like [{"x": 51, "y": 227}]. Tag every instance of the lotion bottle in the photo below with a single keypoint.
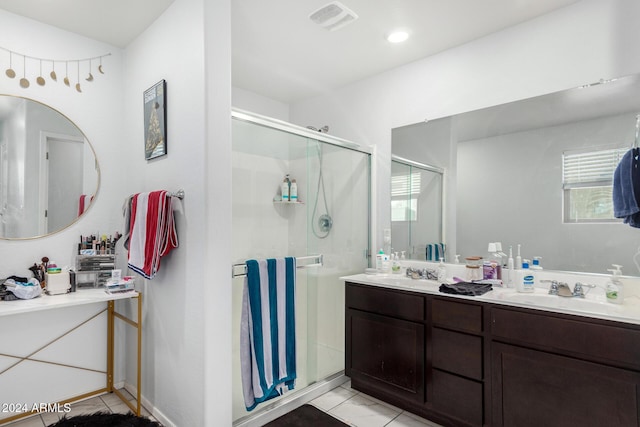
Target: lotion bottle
[
  {"x": 525, "y": 278},
  {"x": 614, "y": 286}
]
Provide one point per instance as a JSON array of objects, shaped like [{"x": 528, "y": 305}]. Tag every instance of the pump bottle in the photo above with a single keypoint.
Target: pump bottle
[
  {"x": 614, "y": 286},
  {"x": 525, "y": 278}
]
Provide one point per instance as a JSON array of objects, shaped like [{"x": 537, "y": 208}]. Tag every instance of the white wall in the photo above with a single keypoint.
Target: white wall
[
  {"x": 581, "y": 43},
  {"x": 96, "y": 111},
  {"x": 189, "y": 47},
  {"x": 255, "y": 103},
  {"x": 173, "y": 367}
]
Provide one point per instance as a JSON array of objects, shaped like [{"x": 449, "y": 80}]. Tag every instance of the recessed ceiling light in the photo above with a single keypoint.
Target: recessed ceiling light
[{"x": 397, "y": 37}]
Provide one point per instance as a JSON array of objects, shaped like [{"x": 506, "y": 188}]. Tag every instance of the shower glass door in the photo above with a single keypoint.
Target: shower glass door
[{"x": 331, "y": 219}]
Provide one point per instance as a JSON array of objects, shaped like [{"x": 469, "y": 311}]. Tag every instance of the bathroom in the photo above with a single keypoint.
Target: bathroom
[{"x": 186, "y": 374}]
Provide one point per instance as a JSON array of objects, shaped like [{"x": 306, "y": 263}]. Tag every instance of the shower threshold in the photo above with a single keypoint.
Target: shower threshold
[{"x": 291, "y": 401}]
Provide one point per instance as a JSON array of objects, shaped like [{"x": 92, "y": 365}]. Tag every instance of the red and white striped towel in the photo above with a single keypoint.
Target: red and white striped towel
[
  {"x": 83, "y": 203},
  {"x": 152, "y": 231}
]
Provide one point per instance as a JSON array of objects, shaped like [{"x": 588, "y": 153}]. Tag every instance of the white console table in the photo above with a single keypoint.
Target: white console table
[{"x": 59, "y": 349}]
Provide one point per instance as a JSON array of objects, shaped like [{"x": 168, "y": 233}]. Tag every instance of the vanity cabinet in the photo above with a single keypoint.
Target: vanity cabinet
[
  {"x": 557, "y": 370},
  {"x": 418, "y": 352},
  {"x": 385, "y": 341},
  {"x": 455, "y": 374}
]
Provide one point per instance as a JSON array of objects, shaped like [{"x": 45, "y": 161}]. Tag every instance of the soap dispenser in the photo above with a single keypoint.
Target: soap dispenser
[{"x": 614, "y": 286}]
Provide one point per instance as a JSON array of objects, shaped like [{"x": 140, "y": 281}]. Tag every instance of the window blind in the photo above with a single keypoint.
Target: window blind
[
  {"x": 406, "y": 184},
  {"x": 593, "y": 168}
]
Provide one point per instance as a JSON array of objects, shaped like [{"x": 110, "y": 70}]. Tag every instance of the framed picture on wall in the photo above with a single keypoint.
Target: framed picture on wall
[{"x": 155, "y": 120}]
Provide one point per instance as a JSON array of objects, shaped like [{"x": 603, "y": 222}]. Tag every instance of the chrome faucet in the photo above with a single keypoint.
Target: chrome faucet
[
  {"x": 562, "y": 289},
  {"x": 425, "y": 273},
  {"x": 554, "y": 287},
  {"x": 578, "y": 289}
]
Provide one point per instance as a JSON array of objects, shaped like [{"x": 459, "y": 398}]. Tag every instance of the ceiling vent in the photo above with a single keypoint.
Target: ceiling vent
[{"x": 333, "y": 16}]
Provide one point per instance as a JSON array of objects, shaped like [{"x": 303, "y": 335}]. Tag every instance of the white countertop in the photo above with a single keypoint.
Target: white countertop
[
  {"x": 593, "y": 305},
  {"x": 48, "y": 302}
]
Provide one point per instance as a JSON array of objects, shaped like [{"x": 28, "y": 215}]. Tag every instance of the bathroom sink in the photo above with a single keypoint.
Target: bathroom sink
[
  {"x": 541, "y": 298},
  {"x": 402, "y": 281}
]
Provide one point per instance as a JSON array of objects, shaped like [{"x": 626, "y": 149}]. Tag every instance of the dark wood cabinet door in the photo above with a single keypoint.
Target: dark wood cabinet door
[
  {"x": 386, "y": 353},
  {"x": 533, "y": 388}
]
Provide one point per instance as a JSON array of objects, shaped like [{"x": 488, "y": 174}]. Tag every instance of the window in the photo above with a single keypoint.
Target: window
[
  {"x": 404, "y": 207},
  {"x": 587, "y": 183}
]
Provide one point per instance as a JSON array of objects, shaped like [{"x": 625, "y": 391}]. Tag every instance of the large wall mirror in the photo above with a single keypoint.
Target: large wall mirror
[
  {"x": 49, "y": 173},
  {"x": 523, "y": 173}
]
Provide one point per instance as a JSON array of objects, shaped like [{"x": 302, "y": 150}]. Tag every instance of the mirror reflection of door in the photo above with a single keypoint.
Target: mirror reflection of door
[{"x": 64, "y": 183}]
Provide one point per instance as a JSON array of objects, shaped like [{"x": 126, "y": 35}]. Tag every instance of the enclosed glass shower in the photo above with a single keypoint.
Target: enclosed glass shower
[
  {"x": 331, "y": 219},
  {"x": 417, "y": 200}
]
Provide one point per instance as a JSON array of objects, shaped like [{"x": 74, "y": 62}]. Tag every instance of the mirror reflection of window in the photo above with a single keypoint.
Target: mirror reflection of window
[
  {"x": 587, "y": 184},
  {"x": 405, "y": 188}
]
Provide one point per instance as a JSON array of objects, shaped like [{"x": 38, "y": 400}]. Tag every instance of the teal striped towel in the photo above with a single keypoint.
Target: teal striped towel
[
  {"x": 267, "y": 330},
  {"x": 435, "y": 251}
]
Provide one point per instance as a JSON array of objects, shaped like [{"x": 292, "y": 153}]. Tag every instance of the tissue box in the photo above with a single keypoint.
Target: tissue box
[{"x": 58, "y": 283}]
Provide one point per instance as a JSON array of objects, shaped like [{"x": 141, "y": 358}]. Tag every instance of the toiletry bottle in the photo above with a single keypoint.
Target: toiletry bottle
[
  {"x": 395, "y": 263},
  {"x": 293, "y": 191},
  {"x": 525, "y": 278},
  {"x": 614, "y": 286},
  {"x": 386, "y": 263},
  {"x": 536, "y": 263},
  {"x": 442, "y": 271},
  {"x": 382, "y": 262},
  {"x": 285, "y": 189}
]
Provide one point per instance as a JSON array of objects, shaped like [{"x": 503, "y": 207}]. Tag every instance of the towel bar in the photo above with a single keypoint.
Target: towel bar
[
  {"x": 179, "y": 194},
  {"x": 240, "y": 269}
]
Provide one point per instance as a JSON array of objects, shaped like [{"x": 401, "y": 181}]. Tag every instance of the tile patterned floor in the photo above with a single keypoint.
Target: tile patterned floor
[
  {"x": 350, "y": 406},
  {"x": 107, "y": 402},
  {"x": 360, "y": 410}
]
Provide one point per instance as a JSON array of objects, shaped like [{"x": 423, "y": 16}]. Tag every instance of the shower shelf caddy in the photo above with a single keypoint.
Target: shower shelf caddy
[{"x": 280, "y": 202}]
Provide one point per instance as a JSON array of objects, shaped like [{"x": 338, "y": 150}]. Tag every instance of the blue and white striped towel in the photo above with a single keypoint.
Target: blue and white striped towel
[
  {"x": 435, "y": 251},
  {"x": 267, "y": 330}
]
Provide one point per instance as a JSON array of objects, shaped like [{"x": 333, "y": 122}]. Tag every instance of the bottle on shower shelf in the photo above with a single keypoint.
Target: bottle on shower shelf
[
  {"x": 293, "y": 191},
  {"x": 285, "y": 188}
]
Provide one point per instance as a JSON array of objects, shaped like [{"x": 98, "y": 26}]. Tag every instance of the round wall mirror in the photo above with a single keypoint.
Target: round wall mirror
[{"x": 49, "y": 173}]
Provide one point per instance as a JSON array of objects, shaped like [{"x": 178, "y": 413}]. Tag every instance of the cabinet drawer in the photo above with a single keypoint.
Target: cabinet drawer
[
  {"x": 397, "y": 304},
  {"x": 456, "y": 315},
  {"x": 457, "y": 397},
  {"x": 457, "y": 352},
  {"x": 586, "y": 338}
]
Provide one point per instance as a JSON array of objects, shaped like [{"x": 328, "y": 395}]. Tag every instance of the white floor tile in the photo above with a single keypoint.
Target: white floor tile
[
  {"x": 88, "y": 406},
  {"x": 51, "y": 417},
  {"x": 32, "y": 421},
  {"x": 410, "y": 420},
  {"x": 332, "y": 398},
  {"x": 421, "y": 420},
  {"x": 361, "y": 411},
  {"x": 110, "y": 399}
]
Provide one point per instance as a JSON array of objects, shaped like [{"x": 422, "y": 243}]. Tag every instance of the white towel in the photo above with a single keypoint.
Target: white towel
[
  {"x": 267, "y": 330},
  {"x": 152, "y": 231}
]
